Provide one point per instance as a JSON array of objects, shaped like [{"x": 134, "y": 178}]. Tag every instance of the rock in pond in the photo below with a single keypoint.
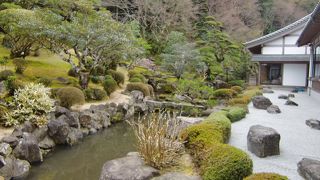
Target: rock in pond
[
  {"x": 130, "y": 167},
  {"x": 282, "y": 96},
  {"x": 291, "y": 103},
  {"x": 58, "y": 130},
  {"x": 5, "y": 149},
  {"x": 28, "y": 149},
  {"x": 309, "y": 169},
  {"x": 313, "y": 123},
  {"x": 263, "y": 141},
  {"x": 15, "y": 169},
  {"x": 273, "y": 109},
  {"x": 261, "y": 102},
  {"x": 177, "y": 176},
  {"x": 47, "y": 143}
]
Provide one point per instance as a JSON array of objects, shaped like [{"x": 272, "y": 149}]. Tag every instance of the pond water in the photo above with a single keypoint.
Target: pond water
[{"x": 85, "y": 160}]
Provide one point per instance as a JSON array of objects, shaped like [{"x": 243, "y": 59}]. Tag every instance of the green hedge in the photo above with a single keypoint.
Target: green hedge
[
  {"x": 236, "y": 114},
  {"x": 266, "y": 176},
  {"x": 117, "y": 76},
  {"x": 109, "y": 84},
  {"x": 146, "y": 89},
  {"x": 69, "y": 96},
  {"x": 224, "y": 93},
  {"x": 216, "y": 160}
]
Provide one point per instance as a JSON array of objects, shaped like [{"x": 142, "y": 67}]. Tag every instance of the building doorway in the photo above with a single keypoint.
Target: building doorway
[{"x": 271, "y": 74}]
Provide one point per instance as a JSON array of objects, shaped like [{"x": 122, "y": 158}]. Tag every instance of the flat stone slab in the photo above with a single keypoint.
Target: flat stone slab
[
  {"x": 177, "y": 176},
  {"x": 313, "y": 123},
  {"x": 282, "y": 96},
  {"x": 291, "y": 103},
  {"x": 263, "y": 141},
  {"x": 309, "y": 169},
  {"x": 273, "y": 109}
]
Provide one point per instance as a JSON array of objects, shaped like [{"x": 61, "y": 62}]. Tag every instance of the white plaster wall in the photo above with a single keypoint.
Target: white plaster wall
[
  {"x": 294, "y": 50},
  {"x": 272, "y": 50},
  {"x": 317, "y": 71},
  {"x": 291, "y": 40},
  {"x": 294, "y": 74},
  {"x": 275, "y": 42}
]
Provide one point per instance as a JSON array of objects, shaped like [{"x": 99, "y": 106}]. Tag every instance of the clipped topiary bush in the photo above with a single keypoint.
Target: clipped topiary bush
[
  {"x": 146, "y": 89},
  {"x": 224, "y": 93},
  {"x": 240, "y": 83},
  {"x": 69, "y": 96},
  {"x": 237, "y": 89},
  {"x": 135, "y": 80},
  {"x": 95, "y": 94},
  {"x": 139, "y": 76},
  {"x": 226, "y": 162},
  {"x": 266, "y": 176},
  {"x": 117, "y": 76},
  {"x": 221, "y": 120},
  {"x": 95, "y": 79},
  {"x": 109, "y": 84},
  {"x": 236, "y": 114},
  {"x": 45, "y": 81},
  {"x": 4, "y": 75}
]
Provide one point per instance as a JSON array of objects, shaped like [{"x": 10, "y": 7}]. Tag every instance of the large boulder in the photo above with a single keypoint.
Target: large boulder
[
  {"x": 5, "y": 149},
  {"x": 74, "y": 136},
  {"x": 58, "y": 130},
  {"x": 273, "y": 109},
  {"x": 85, "y": 119},
  {"x": 47, "y": 143},
  {"x": 261, "y": 102},
  {"x": 15, "y": 169},
  {"x": 313, "y": 123},
  {"x": 309, "y": 169},
  {"x": 291, "y": 103},
  {"x": 73, "y": 119},
  {"x": 61, "y": 111},
  {"x": 137, "y": 96},
  {"x": 28, "y": 149},
  {"x": 12, "y": 140},
  {"x": 40, "y": 133},
  {"x": 131, "y": 167},
  {"x": 177, "y": 176},
  {"x": 263, "y": 141}
]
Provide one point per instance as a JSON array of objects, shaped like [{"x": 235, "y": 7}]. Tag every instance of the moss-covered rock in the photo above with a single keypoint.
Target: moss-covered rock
[
  {"x": 236, "y": 114},
  {"x": 266, "y": 176},
  {"x": 118, "y": 117}
]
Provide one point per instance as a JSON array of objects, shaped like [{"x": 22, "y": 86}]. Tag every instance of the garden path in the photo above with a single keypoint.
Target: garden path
[{"x": 297, "y": 139}]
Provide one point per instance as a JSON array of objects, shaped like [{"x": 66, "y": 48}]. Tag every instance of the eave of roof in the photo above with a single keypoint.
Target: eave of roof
[
  {"x": 311, "y": 29},
  {"x": 277, "y": 34}
]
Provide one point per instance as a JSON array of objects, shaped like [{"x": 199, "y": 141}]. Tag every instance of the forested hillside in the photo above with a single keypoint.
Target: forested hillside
[{"x": 242, "y": 19}]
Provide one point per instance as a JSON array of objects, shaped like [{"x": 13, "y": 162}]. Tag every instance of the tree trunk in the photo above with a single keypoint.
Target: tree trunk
[{"x": 84, "y": 79}]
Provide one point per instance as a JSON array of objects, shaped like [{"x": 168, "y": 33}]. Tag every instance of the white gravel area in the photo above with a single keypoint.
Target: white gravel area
[{"x": 297, "y": 139}]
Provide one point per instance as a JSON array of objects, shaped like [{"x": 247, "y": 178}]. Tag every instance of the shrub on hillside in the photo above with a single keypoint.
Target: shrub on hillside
[
  {"x": 12, "y": 84},
  {"x": 221, "y": 120},
  {"x": 109, "y": 84},
  {"x": 96, "y": 79},
  {"x": 135, "y": 80},
  {"x": 139, "y": 76},
  {"x": 95, "y": 94},
  {"x": 238, "y": 89},
  {"x": 20, "y": 65},
  {"x": 144, "y": 88},
  {"x": 117, "y": 76},
  {"x": 236, "y": 114},
  {"x": 4, "y": 75},
  {"x": 99, "y": 71},
  {"x": 226, "y": 162},
  {"x": 240, "y": 83},
  {"x": 69, "y": 96},
  {"x": 224, "y": 93},
  {"x": 45, "y": 81},
  {"x": 31, "y": 103},
  {"x": 3, "y": 111},
  {"x": 266, "y": 176}
]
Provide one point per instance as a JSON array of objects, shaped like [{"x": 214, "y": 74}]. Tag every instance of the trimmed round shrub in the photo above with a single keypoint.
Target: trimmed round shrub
[
  {"x": 144, "y": 88},
  {"x": 221, "y": 120},
  {"x": 135, "y": 80},
  {"x": 236, "y": 114},
  {"x": 109, "y": 84},
  {"x": 99, "y": 71},
  {"x": 95, "y": 94},
  {"x": 240, "y": 83},
  {"x": 69, "y": 96},
  {"x": 117, "y": 76},
  {"x": 95, "y": 79},
  {"x": 132, "y": 73},
  {"x": 226, "y": 162},
  {"x": 139, "y": 76},
  {"x": 266, "y": 176},
  {"x": 4, "y": 75},
  {"x": 45, "y": 81},
  {"x": 237, "y": 89},
  {"x": 224, "y": 93}
]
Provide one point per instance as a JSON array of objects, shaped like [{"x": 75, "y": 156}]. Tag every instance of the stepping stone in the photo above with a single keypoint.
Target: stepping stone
[
  {"x": 291, "y": 103},
  {"x": 261, "y": 102},
  {"x": 291, "y": 96},
  {"x": 263, "y": 141},
  {"x": 283, "y": 97},
  {"x": 273, "y": 109},
  {"x": 313, "y": 123},
  {"x": 309, "y": 169}
]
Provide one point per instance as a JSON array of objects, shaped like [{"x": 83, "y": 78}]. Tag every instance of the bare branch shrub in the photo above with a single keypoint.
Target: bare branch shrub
[{"x": 157, "y": 139}]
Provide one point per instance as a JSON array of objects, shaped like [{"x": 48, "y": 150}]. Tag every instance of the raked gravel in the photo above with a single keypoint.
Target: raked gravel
[{"x": 297, "y": 139}]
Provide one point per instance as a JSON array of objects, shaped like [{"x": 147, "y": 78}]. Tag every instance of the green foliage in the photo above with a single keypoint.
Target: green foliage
[
  {"x": 226, "y": 162},
  {"x": 69, "y": 96},
  {"x": 212, "y": 103},
  {"x": 12, "y": 84},
  {"x": 94, "y": 94},
  {"x": 136, "y": 80},
  {"x": 96, "y": 79},
  {"x": 109, "y": 84},
  {"x": 246, "y": 96},
  {"x": 146, "y": 89},
  {"x": 224, "y": 93},
  {"x": 237, "y": 89},
  {"x": 4, "y": 75},
  {"x": 236, "y": 114},
  {"x": 117, "y": 76},
  {"x": 3, "y": 112},
  {"x": 20, "y": 65},
  {"x": 45, "y": 81},
  {"x": 221, "y": 120},
  {"x": 32, "y": 103},
  {"x": 98, "y": 71},
  {"x": 266, "y": 176},
  {"x": 194, "y": 88},
  {"x": 118, "y": 117},
  {"x": 240, "y": 83},
  {"x": 138, "y": 76}
]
